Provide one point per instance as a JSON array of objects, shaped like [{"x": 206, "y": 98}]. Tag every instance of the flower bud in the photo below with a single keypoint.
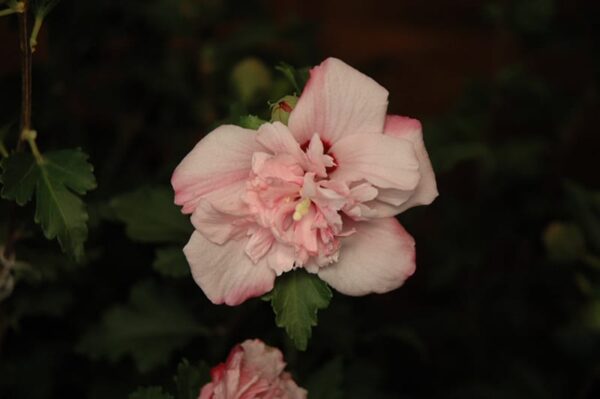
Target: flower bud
[{"x": 280, "y": 110}]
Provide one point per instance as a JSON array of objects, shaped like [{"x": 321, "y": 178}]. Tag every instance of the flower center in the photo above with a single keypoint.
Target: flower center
[
  {"x": 326, "y": 148},
  {"x": 301, "y": 209}
]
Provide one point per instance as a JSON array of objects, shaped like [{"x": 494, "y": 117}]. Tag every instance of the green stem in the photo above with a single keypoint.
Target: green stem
[
  {"x": 12, "y": 225},
  {"x": 25, "y": 71},
  {"x": 8, "y": 11},
  {"x": 37, "y": 25},
  {"x": 30, "y": 136}
]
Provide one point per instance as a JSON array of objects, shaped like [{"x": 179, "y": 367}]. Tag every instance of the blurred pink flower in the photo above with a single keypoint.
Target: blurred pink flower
[
  {"x": 319, "y": 193},
  {"x": 253, "y": 370}
]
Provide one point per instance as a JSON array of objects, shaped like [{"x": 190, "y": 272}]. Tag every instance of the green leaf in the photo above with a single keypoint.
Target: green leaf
[
  {"x": 43, "y": 7},
  {"x": 190, "y": 379},
  {"x": 149, "y": 328},
  {"x": 297, "y": 77},
  {"x": 150, "y": 215},
  {"x": 251, "y": 122},
  {"x": 151, "y": 393},
  {"x": 326, "y": 383},
  {"x": 19, "y": 177},
  {"x": 56, "y": 179},
  {"x": 171, "y": 262},
  {"x": 296, "y": 299}
]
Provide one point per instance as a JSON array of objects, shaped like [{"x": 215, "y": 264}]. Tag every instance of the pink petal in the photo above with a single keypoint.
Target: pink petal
[
  {"x": 318, "y": 160},
  {"x": 264, "y": 360},
  {"x": 218, "y": 225},
  {"x": 225, "y": 273},
  {"x": 291, "y": 389},
  {"x": 281, "y": 258},
  {"x": 207, "y": 391},
  {"x": 378, "y": 258},
  {"x": 338, "y": 101},
  {"x": 259, "y": 244},
  {"x": 276, "y": 137},
  {"x": 384, "y": 161},
  {"x": 217, "y": 162},
  {"x": 410, "y": 129}
]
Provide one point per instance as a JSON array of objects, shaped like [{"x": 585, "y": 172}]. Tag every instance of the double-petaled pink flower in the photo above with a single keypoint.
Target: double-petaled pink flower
[
  {"x": 253, "y": 370},
  {"x": 319, "y": 193}
]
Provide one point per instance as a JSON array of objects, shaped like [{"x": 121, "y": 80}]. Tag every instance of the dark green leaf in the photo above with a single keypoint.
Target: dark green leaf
[
  {"x": 171, "y": 262},
  {"x": 19, "y": 177},
  {"x": 151, "y": 216},
  {"x": 251, "y": 122},
  {"x": 297, "y": 77},
  {"x": 57, "y": 178},
  {"x": 41, "y": 8},
  {"x": 149, "y": 328},
  {"x": 190, "y": 379},
  {"x": 296, "y": 299},
  {"x": 150, "y": 393},
  {"x": 326, "y": 383}
]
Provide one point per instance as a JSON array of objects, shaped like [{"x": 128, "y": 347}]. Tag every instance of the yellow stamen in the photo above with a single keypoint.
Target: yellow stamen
[{"x": 301, "y": 209}]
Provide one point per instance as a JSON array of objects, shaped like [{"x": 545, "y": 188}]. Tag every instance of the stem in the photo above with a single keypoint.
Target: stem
[
  {"x": 25, "y": 70},
  {"x": 37, "y": 24},
  {"x": 8, "y": 11},
  {"x": 30, "y": 136},
  {"x": 11, "y": 237}
]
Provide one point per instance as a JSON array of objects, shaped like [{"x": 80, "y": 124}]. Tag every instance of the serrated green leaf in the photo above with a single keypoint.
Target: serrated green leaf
[
  {"x": 149, "y": 328},
  {"x": 56, "y": 179},
  {"x": 251, "y": 122},
  {"x": 190, "y": 379},
  {"x": 150, "y": 393},
  {"x": 19, "y": 177},
  {"x": 171, "y": 262},
  {"x": 72, "y": 169},
  {"x": 151, "y": 216},
  {"x": 326, "y": 383},
  {"x": 297, "y": 77},
  {"x": 296, "y": 299}
]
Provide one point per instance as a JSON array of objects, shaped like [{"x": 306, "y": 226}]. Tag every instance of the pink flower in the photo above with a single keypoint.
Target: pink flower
[
  {"x": 252, "y": 371},
  {"x": 319, "y": 193}
]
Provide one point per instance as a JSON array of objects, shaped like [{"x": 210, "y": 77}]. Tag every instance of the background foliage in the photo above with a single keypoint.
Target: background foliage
[{"x": 506, "y": 298}]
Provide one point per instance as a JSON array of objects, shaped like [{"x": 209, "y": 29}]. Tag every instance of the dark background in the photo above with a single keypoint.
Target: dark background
[{"x": 506, "y": 299}]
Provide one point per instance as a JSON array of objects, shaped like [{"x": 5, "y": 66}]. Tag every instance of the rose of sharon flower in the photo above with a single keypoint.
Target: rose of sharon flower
[
  {"x": 253, "y": 370},
  {"x": 319, "y": 193}
]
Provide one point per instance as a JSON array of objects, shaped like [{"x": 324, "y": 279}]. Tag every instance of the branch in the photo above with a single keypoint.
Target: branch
[
  {"x": 25, "y": 71},
  {"x": 12, "y": 235}
]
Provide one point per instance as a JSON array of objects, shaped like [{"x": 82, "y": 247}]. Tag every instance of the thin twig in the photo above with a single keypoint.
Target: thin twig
[
  {"x": 25, "y": 71},
  {"x": 12, "y": 234}
]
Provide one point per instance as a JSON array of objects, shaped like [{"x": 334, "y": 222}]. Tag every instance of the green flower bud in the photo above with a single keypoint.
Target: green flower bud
[{"x": 280, "y": 110}]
